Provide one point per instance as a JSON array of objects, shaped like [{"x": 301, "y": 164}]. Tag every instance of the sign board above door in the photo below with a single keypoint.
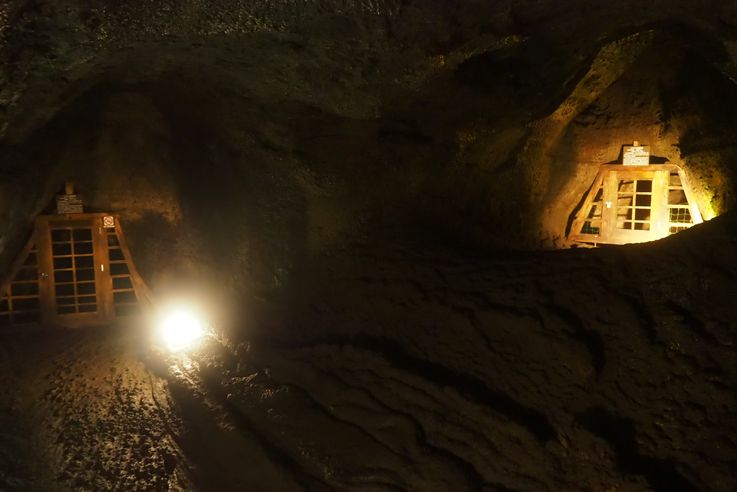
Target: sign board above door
[
  {"x": 69, "y": 204},
  {"x": 636, "y": 155}
]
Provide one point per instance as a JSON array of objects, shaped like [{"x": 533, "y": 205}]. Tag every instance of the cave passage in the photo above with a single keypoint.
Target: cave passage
[{"x": 344, "y": 246}]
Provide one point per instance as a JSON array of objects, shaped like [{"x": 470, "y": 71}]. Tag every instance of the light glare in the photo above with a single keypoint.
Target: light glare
[{"x": 180, "y": 329}]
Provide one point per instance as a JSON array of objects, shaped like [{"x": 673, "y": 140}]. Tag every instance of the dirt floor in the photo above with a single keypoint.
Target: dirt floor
[{"x": 609, "y": 369}]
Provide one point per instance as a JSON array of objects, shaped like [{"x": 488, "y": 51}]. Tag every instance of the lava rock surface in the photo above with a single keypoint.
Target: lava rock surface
[{"x": 370, "y": 193}]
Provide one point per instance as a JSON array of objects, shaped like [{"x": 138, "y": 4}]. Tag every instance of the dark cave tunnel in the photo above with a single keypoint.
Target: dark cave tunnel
[{"x": 370, "y": 204}]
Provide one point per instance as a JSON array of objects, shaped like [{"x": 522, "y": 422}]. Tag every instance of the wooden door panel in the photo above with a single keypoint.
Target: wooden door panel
[{"x": 75, "y": 286}]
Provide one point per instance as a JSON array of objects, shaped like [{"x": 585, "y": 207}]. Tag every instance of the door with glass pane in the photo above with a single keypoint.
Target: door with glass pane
[
  {"x": 74, "y": 284},
  {"x": 636, "y": 206}
]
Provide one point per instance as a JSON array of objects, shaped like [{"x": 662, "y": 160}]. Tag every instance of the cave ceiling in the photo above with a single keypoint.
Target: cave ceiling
[{"x": 464, "y": 112}]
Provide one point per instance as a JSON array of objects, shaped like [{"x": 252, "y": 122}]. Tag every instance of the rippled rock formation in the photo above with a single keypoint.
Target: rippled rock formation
[{"x": 369, "y": 195}]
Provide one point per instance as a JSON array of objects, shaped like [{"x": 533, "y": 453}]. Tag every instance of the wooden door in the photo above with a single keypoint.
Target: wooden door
[
  {"x": 635, "y": 213},
  {"x": 74, "y": 284}
]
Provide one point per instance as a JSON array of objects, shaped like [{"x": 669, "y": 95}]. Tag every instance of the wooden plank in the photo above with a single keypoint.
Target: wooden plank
[
  {"x": 45, "y": 268},
  {"x": 16, "y": 266},
  {"x": 638, "y": 169},
  {"x": 103, "y": 281},
  {"x": 659, "y": 205},
  {"x": 580, "y": 217},
  {"x": 142, "y": 291},
  {"x": 609, "y": 215},
  {"x": 692, "y": 203}
]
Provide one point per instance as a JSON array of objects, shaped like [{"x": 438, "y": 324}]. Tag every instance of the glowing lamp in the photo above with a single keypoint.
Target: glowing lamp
[{"x": 180, "y": 328}]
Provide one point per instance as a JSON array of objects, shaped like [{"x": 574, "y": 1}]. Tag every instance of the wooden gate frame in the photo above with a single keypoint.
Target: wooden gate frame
[
  {"x": 608, "y": 178},
  {"x": 42, "y": 241}
]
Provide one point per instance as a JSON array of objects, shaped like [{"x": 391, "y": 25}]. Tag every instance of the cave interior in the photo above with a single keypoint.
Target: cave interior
[{"x": 431, "y": 246}]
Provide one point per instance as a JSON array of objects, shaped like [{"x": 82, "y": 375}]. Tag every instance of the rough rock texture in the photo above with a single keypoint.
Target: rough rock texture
[
  {"x": 355, "y": 189},
  {"x": 391, "y": 369},
  {"x": 594, "y": 371},
  {"x": 484, "y": 122}
]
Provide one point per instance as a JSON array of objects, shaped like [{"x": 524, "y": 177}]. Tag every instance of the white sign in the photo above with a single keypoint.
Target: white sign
[
  {"x": 68, "y": 204},
  {"x": 108, "y": 222},
  {"x": 636, "y": 155}
]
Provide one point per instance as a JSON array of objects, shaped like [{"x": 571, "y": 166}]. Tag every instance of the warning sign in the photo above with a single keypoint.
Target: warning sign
[{"x": 108, "y": 222}]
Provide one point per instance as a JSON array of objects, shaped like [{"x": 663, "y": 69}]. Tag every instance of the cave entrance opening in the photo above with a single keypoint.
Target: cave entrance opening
[
  {"x": 635, "y": 203},
  {"x": 75, "y": 270}
]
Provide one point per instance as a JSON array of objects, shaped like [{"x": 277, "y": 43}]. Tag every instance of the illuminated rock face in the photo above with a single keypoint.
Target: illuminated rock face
[{"x": 337, "y": 179}]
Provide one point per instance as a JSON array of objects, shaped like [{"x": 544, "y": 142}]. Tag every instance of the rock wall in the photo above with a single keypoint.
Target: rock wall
[
  {"x": 481, "y": 123},
  {"x": 349, "y": 186}
]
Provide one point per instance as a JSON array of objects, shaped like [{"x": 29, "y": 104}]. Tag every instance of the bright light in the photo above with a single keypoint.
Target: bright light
[{"x": 179, "y": 328}]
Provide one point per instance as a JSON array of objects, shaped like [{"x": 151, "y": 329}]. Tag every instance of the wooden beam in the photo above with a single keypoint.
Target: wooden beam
[
  {"x": 138, "y": 283},
  {"x": 16, "y": 266}
]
